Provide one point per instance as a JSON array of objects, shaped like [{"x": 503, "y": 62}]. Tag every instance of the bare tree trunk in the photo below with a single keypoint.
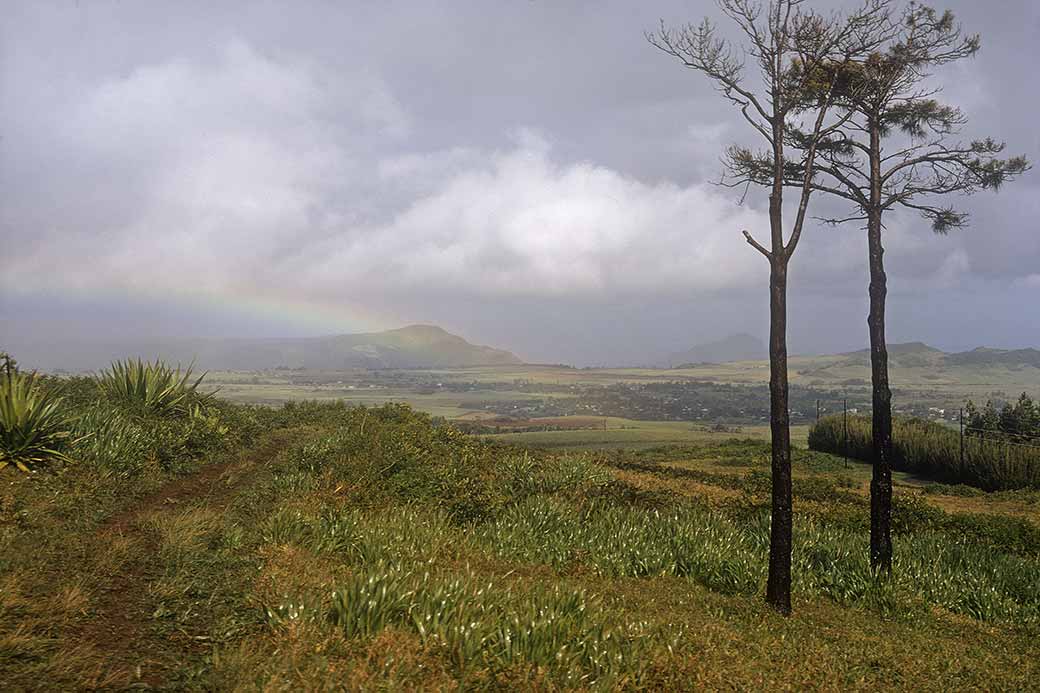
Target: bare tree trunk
[
  {"x": 778, "y": 588},
  {"x": 881, "y": 480},
  {"x": 881, "y": 425}
]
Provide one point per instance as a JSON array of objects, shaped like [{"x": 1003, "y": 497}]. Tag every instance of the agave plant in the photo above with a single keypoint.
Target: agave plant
[
  {"x": 152, "y": 388},
  {"x": 33, "y": 429}
]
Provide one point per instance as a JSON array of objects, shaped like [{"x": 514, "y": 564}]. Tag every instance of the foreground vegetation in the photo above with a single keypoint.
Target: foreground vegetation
[
  {"x": 323, "y": 546},
  {"x": 935, "y": 451}
]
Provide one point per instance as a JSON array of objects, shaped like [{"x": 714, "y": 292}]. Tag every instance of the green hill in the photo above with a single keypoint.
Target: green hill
[{"x": 415, "y": 346}]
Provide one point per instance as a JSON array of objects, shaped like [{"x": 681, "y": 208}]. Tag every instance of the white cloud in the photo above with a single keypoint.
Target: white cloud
[
  {"x": 251, "y": 172},
  {"x": 519, "y": 223}
]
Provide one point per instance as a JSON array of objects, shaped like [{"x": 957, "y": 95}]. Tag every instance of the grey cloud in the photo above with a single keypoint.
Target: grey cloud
[{"x": 454, "y": 163}]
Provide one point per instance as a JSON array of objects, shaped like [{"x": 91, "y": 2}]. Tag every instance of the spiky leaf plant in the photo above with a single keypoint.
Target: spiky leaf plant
[
  {"x": 33, "y": 429},
  {"x": 152, "y": 388}
]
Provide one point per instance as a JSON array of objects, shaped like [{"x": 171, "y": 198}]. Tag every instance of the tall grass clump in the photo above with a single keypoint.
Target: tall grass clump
[
  {"x": 933, "y": 450},
  {"x": 113, "y": 442},
  {"x": 357, "y": 537},
  {"x": 480, "y": 625},
  {"x": 152, "y": 388},
  {"x": 619, "y": 541},
  {"x": 33, "y": 427},
  {"x": 946, "y": 568}
]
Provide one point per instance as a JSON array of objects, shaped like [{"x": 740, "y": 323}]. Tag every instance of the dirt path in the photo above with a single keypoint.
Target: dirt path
[{"x": 122, "y": 614}]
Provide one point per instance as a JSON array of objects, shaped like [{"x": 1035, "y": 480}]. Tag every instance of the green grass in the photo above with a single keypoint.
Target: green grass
[{"x": 369, "y": 549}]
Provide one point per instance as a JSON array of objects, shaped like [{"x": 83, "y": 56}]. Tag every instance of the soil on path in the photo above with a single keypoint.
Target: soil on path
[{"x": 122, "y": 615}]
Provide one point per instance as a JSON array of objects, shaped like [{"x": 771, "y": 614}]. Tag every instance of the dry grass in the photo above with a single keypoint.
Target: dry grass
[{"x": 684, "y": 487}]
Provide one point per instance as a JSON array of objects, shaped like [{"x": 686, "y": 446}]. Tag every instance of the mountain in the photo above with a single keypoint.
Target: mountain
[
  {"x": 985, "y": 356},
  {"x": 906, "y": 354},
  {"x": 918, "y": 354},
  {"x": 737, "y": 347},
  {"x": 415, "y": 346}
]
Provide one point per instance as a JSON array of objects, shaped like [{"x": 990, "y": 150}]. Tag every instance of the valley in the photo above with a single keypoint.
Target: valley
[{"x": 926, "y": 383}]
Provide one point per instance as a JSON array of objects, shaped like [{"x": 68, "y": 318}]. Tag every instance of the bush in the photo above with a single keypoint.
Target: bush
[
  {"x": 152, "y": 389},
  {"x": 112, "y": 442},
  {"x": 933, "y": 450}
]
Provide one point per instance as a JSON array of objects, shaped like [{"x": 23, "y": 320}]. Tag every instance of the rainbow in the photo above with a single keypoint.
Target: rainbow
[{"x": 297, "y": 315}]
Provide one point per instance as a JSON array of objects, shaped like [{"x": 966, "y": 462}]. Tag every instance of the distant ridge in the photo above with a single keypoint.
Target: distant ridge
[
  {"x": 736, "y": 347},
  {"x": 986, "y": 356},
  {"x": 744, "y": 347},
  {"x": 920, "y": 354},
  {"x": 414, "y": 346}
]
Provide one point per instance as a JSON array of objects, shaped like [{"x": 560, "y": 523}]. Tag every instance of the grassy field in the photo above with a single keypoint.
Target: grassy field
[
  {"x": 338, "y": 548},
  {"x": 449, "y": 405},
  {"x": 631, "y": 434}
]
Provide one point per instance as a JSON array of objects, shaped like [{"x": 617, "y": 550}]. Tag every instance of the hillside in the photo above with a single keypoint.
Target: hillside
[
  {"x": 415, "y": 346},
  {"x": 323, "y": 547}
]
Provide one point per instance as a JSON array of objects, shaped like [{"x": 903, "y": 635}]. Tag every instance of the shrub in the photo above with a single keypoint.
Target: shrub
[
  {"x": 116, "y": 441},
  {"x": 111, "y": 441},
  {"x": 33, "y": 427},
  {"x": 933, "y": 450},
  {"x": 152, "y": 388}
]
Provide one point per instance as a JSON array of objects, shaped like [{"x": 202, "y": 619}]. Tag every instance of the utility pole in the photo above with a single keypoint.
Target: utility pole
[
  {"x": 962, "y": 436},
  {"x": 845, "y": 430}
]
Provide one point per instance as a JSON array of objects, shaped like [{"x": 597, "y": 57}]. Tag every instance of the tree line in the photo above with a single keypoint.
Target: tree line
[
  {"x": 1018, "y": 421},
  {"x": 845, "y": 106}
]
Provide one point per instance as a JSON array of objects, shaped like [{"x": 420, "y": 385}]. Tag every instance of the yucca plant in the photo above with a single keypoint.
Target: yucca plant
[
  {"x": 33, "y": 429},
  {"x": 152, "y": 388}
]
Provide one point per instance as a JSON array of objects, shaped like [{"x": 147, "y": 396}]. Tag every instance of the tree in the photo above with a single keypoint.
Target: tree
[
  {"x": 1020, "y": 420},
  {"x": 887, "y": 98},
  {"x": 791, "y": 48}
]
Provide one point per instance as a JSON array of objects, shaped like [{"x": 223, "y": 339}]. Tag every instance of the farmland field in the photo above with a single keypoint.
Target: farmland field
[
  {"x": 732, "y": 393},
  {"x": 632, "y": 434}
]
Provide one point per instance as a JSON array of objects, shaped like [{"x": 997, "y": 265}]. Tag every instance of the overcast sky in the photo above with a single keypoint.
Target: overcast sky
[{"x": 529, "y": 174}]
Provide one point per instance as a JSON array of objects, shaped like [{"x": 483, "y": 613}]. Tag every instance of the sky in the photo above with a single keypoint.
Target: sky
[{"x": 530, "y": 174}]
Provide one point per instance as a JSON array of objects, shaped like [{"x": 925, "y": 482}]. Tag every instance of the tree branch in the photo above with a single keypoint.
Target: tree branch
[{"x": 756, "y": 245}]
